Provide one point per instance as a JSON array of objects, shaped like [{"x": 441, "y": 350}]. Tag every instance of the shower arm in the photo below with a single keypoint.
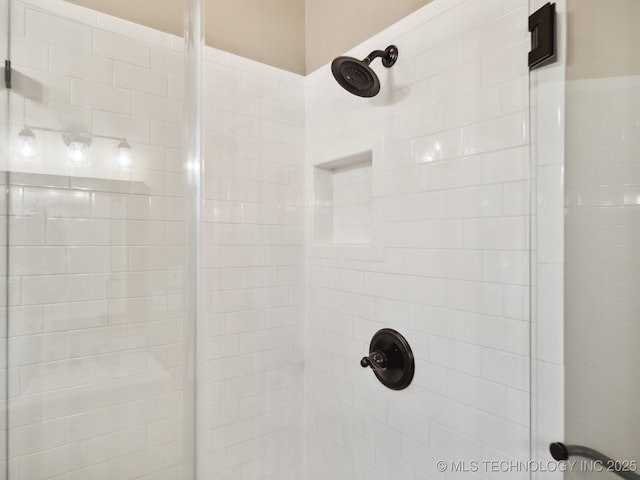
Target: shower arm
[
  {"x": 388, "y": 55},
  {"x": 560, "y": 451},
  {"x": 375, "y": 54}
]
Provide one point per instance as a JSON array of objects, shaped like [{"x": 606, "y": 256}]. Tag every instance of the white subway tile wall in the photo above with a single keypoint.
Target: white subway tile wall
[
  {"x": 96, "y": 262},
  {"x": 95, "y": 288},
  {"x": 253, "y": 271},
  {"x": 450, "y": 203},
  {"x": 95, "y": 349},
  {"x": 601, "y": 343},
  {"x": 3, "y": 320},
  {"x": 548, "y": 104}
]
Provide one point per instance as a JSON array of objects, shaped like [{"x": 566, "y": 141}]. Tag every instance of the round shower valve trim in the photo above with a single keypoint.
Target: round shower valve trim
[{"x": 391, "y": 359}]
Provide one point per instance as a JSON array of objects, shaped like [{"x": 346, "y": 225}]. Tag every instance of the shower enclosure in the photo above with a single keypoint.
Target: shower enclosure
[
  {"x": 198, "y": 248},
  {"x": 96, "y": 234},
  {"x": 129, "y": 290}
]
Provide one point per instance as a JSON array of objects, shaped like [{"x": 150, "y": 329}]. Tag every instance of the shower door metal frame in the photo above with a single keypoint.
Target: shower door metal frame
[{"x": 193, "y": 171}]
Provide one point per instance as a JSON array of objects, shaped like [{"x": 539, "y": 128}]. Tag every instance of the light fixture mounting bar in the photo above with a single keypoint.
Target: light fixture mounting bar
[{"x": 53, "y": 130}]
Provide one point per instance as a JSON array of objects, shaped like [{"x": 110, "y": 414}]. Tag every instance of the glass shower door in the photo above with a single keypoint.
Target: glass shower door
[
  {"x": 97, "y": 382},
  {"x": 602, "y": 225},
  {"x": 587, "y": 342},
  {"x": 4, "y": 156}
]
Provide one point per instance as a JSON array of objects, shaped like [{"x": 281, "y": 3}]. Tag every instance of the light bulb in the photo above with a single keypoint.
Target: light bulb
[
  {"x": 26, "y": 144},
  {"x": 77, "y": 151},
  {"x": 78, "y": 141},
  {"x": 124, "y": 154}
]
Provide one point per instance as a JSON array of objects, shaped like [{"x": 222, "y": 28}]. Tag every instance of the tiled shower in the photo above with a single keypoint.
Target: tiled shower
[
  {"x": 325, "y": 217},
  {"x": 447, "y": 261},
  {"x": 97, "y": 251}
]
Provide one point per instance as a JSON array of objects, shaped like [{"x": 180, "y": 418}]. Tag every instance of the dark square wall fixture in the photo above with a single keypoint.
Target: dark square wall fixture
[{"x": 542, "y": 25}]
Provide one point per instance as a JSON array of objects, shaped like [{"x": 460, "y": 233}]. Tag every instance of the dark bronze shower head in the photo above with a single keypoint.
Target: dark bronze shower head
[{"x": 357, "y": 77}]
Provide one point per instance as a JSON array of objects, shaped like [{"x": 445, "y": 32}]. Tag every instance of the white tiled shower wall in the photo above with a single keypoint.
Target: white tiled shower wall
[
  {"x": 253, "y": 270},
  {"x": 548, "y": 222},
  {"x": 97, "y": 252},
  {"x": 448, "y": 264},
  {"x": 602, "y": 265},
  {"x": 95, "y": 349}
]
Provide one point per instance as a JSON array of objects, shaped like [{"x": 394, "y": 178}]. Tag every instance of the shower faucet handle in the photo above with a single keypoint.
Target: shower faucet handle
[
  {"x": 377, "y": 360},
  {"x": 390, "y": 359}
]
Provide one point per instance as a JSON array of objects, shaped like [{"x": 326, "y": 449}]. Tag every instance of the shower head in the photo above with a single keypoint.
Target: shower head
[{"x": 357, "y": 77}]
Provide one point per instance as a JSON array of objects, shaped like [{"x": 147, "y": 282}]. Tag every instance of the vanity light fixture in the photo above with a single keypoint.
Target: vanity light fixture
[
  {"x": 26, "y": 144},
  {"x": 78, "y": 142}
]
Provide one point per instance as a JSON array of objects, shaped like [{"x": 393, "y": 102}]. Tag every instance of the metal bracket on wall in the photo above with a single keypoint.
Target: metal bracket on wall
[
  {"x": 542, "y": 25},
  {"x": 7, "y": 74}
]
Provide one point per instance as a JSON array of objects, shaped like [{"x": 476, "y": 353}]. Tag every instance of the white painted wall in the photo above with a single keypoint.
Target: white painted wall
[{"x": 448, "y": 265}]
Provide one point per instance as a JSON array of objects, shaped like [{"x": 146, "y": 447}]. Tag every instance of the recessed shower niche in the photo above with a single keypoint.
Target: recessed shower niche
[{"x": 342, "y": 191}]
